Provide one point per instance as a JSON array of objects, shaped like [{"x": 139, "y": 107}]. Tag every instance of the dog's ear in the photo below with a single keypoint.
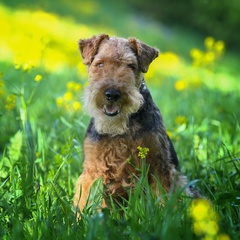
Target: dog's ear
[
  {"x": 89, "y": 47},
  {"x": 145, "y": 53}
]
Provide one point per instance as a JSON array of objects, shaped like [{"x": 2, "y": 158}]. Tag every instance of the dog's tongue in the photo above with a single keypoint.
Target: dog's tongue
[{"x": 111, "y": 110}]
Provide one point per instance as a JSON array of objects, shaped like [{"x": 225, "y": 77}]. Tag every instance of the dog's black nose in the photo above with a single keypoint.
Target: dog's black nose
[{"x": 112, "y": 95}]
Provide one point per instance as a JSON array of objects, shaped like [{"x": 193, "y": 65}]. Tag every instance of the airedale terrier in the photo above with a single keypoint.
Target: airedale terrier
[{"x": 123, "y": 117}]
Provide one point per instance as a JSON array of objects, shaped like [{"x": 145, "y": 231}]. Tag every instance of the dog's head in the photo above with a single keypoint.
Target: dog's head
[{"x": 115, "y": 68}]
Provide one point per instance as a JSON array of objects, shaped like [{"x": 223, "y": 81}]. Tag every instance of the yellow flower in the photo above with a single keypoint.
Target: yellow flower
[
  {"x": 27, "y": 67},
  {"x": 180, "y": 85},
  {"x": 196, "y": 53},
  {"x": 77, "y": 87},
  {"x": 205, "y": 219},
  {"x": 223, "y": 236},
  {"x": 73, "y": 86},
  {"x": 209, "y": 42},
  {"x": 59, "y": 101},
  {"x": 142, "y": 152},
  {"x": 67, "y": 96},
  {"x": 212, "y": 228},
  {"x": 201, "y": 208},
  {"x": 180, "y": 120},
  {"x": 77, "y": 106},
  {"x": 219, "y": 47},
  {"x": 38, "y": 78},
  {"x": 209, "y": 57},
  {"x": 70, "y": 85}
]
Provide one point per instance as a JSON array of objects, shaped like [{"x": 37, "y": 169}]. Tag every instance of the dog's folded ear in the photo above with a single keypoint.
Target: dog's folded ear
[
  {"x": 89, "y": 47},
  {"x": 145, "y": 53}
]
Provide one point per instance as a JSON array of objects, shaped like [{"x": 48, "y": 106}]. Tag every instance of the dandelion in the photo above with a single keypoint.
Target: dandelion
[
  {"x": 209, "y": 42},
  {"x": 68, "y": 96},
  {"x": 77, "y": 106},
  {"x": 77, "y": 87},
  {"x": 59, "y": 101},
  {"x": 180, "y": 85},
  {"x": 196, "y": 53},
  {"x": 207, "y": 58},
  {"x": 142, "y": 152},
  {"x": 219, "y": 47},
  {"x": 223, "y": 236},
  {"x": 180, "y": 120},
  {"x": 70, "y": 85},
  {"x": 27, "y": 67},
  {"x": 38, "y": 78},
  {"x": 205, "y": 220}
]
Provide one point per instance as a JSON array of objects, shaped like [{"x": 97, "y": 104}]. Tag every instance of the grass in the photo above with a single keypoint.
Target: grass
[{"x": 42, "y": 126}]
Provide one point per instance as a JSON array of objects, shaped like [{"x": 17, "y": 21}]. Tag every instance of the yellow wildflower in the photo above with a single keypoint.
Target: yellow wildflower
[
  {"x": 209, "y": 42},
  {"x": 201, "y": 209},
  {"x": 38, "y": 78},
  {"x": 219, "y": 47},
  {"x": 205, "y": 220},
  {"x": 59, "y": 101},
  {"x": 27, "y": 67},
  {"x": 196, "y": 53},
  {"x": 180, "y": 120},
  {"x": 223, "y": 236},
  {"x": 73, "y": 86},
  {"x": 209, "y": 57},
  {"x": 77, "y": 106},
  {"x": 68, "y": 96},
  {"x": 77, "y": 87},
  {"x": 180, "y": 85},
  {"x": 70, "y": 85},
  {"x": 142, "y": 152}
]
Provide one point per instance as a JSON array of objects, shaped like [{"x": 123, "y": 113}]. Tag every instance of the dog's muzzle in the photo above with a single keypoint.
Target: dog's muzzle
[{"x": 112, "y": 96}]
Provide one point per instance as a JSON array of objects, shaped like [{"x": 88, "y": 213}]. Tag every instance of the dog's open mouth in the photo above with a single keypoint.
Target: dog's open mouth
[{"x": 111, "y": 110}]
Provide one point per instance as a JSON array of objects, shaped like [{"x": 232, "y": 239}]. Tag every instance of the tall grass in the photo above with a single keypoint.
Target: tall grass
[{"x": 42, "y": 127}]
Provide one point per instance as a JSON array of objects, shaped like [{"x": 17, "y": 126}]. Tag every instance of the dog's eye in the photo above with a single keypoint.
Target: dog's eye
[
  {"x": 132, "y": 66},
  {"x": 100, "y": 65}
]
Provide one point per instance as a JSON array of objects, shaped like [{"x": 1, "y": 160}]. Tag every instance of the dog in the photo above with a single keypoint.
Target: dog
[{"x": 124, "y": 118}]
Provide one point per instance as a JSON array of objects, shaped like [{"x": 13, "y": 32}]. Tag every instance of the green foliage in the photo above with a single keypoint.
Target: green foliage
[
  {"x": 42, "y": 126},
  {"x": 217, "y": 18}
]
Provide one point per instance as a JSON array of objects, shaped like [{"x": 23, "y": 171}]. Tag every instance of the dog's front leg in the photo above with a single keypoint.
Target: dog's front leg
[{"x": 84, "y": 183}]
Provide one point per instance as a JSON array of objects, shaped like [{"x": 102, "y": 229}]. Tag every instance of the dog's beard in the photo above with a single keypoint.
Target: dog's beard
[{"x": 117, "y": 124}]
